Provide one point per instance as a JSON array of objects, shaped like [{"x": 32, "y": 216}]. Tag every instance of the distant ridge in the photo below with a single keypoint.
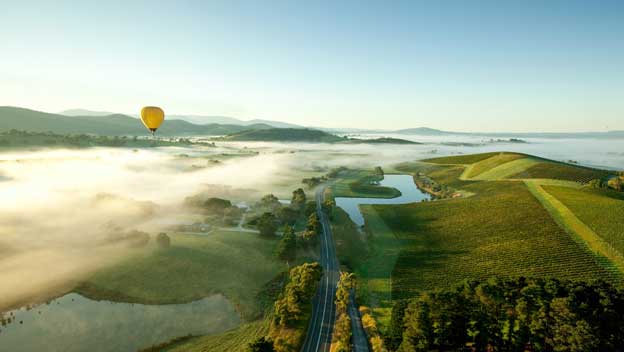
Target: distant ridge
[
  {"x": 194, "y": 119},
  {"x": 424, "y": 131},
  {"x": 84, "y": 112},
  {"x": 111, "y": 125}
]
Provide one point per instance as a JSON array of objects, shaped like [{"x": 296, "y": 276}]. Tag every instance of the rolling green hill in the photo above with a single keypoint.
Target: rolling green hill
[
  {"x": 284, "y": 135},
  {"x": 382, "y": 140},
  {"x": 306, "y": 135},
  {"x": 505, "y": 165},
  {"x": 111, "y": 125}
]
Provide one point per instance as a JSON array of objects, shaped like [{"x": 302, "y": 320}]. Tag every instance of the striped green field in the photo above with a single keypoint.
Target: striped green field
[
  {"x": 508, "y": 169},
  {"x": 492, "y": 162},
  {"x": 506, "y": 165},
  {"x": 503, "y": 230},
  {"x": 233, "y": 340},
  {"x": 601, "y": 210},
  {"x": 461, "y": 159},
  {"x": 506, "y": 228},
  {"x": 560, "y": 171}
]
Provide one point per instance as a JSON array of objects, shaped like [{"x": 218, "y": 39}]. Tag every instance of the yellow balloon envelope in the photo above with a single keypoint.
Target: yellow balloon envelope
[{"x": 152, "y": 117}]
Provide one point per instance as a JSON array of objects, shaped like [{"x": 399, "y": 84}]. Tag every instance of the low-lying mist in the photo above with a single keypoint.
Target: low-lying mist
[{"x": 57, "y": 206}]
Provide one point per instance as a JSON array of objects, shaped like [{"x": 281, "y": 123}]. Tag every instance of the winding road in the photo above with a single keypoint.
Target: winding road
[{"x": 319, "y": 335}]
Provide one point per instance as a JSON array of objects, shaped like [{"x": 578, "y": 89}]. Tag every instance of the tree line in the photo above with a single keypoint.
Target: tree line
[
  {"x": 511, "y": 315},
  {"x": 291, "y": 311}
]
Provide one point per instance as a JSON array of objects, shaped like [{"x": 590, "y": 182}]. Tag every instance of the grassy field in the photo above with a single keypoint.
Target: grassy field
[
  {"x": 356, "y": 183},
  {"x": 503, "y": 229},
  {"x": 448, "y": 241},
  {"x": 560, "y": 171},
  {"x": 507, "y": 170},
  {"x": 351, "y": 246},
  {"x": 374, "y": 274},
  {"x": 461, "y": 159},
  {"x": 605, "y": 216},
  {"x": 233, "y": 340},
  {"x": 486, "y": 164},
  {"x": 505, "y": 165},
  {"x": 232, "y": 263}
]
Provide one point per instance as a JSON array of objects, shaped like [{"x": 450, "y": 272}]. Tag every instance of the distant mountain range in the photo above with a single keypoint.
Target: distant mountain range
[
  {"x": 425, "y": 131},
  {"x": 106, "y": 123},
  {"x": 194, "y": 119},
  {"x": 110, "y": 125}
]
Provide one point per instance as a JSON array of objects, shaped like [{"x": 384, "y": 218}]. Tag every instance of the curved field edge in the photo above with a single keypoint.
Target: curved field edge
[
  {"x": 610, "y": 258},
  {"x": 358, "y": 184},
  {"x": 193, "y": 267}
]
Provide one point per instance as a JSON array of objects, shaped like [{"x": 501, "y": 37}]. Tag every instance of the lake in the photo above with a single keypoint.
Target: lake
[
  {"x": 404, "y": 183},
  {"x": 76, "y": 323}
]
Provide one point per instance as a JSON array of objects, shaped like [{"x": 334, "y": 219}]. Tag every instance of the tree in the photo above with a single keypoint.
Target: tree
[
  {"x": 615, "y": 183},
  {"x": 269, "y": 203},
  {"x": 163, "y": 240},
  {"x": 261, "y": 344},
  {"x": 298, "y": 200},
  {"x": 298, "y": 292},
  {"x": 379, "y": 171},
  {"x": 287, "y": 246},
  {"x": 313, "y": 229},
  {"x": 266, "y": 223},
  {"x": 288, "y": 215},
  {"x": 342, "y": 329},
  {"x": 328, "y": 206},
  {"x": 231, "y": 215},
  {"x": 311, "y": 182},
  {"x": 597, "y": 183}
]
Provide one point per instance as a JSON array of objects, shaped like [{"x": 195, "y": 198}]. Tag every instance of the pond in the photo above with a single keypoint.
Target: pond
[
  {"x": 76, "y": 323},
  {"x": 404, "y": 183}
]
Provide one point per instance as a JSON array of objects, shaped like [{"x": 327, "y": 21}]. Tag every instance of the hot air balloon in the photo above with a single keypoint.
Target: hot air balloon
[{"x": 152, "y": 117}]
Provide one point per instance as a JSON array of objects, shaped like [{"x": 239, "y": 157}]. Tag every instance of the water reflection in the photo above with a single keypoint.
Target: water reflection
[
  {"x": 76, "y": 323},
  {"x": 404, "y": 183}
]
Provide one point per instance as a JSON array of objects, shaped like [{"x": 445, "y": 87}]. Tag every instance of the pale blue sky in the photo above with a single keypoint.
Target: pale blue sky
[{"x": 455, "y": 65}]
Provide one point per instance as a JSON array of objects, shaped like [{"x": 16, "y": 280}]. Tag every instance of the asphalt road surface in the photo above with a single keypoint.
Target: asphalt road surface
[{"x": 319, "y": 335}]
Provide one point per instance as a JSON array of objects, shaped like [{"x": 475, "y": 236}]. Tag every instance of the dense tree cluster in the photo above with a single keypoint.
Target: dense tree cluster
[
  {"x": 379, "y": 171},
  {"x": 615, "y": 183},
  {"x": 298, "y": 200},
  {"x": 287, "y": 247},
  {"x": 302, "y": 283},
  {"x": 436, "y": 190},
  {"x": 17, "y": 138},
  {"x": 217, "y": 210},
  {"x": 514, "y": 315},
  {"x": 216, "y": 205},
  {"x": 313, "y": 229},
  {"x": 341, "y": 338},
  {"x": 269, "y": 203},
  {"x": 267, "y": 224},
  {"x": 261, "y": 344},
  {"x": 328, "y": 207},
  {"x": 369, "y": 324},
  {"x": 312, "y": 182}
]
